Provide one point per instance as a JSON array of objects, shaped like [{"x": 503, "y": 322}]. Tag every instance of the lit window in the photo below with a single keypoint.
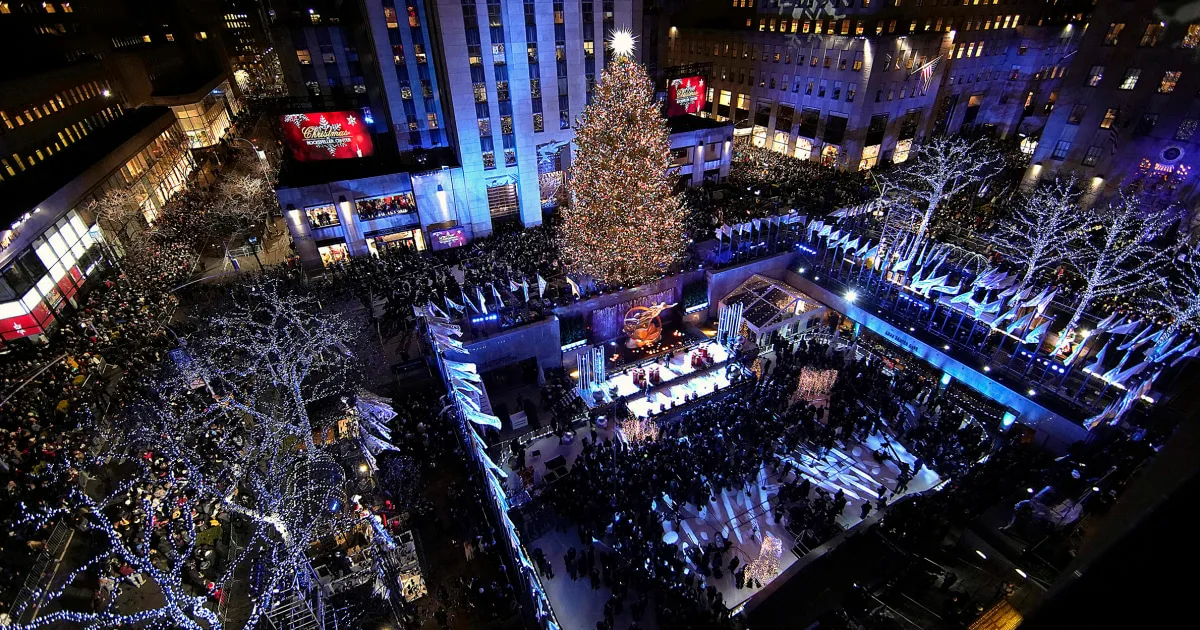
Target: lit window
[
  {"x": 1152, "y": 35},
  {"x": 170, "y": 37},
  {"x": 146, "y": 38},
  {"x": 389, "y": 16},
  {"x": 1169, "y": 80},
  {"x": 413, "y": 20},
  {"x": 1110, "y": 118},
  {"x": 304, "y": 58},
  {"x": 48, "y": 7},
  {"x": 1193, "y": 36},
  {"x": 432, "y": 119},
  {"x": 1095, "y": 75},
  {"x": 1114, "y": 32},
  {"x": 1131, "y": 79},
  {"x": 1060, "y": 150},
  {"x": 4, "y": 8}
]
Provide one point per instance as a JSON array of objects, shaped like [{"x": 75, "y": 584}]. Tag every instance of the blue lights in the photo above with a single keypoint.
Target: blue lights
[
  {"x": 485, "y": 318},
  {"x": 806, "y": 249},
  {"x": 1008, "y": 419}
]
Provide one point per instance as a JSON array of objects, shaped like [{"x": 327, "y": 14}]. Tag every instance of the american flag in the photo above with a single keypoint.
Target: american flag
[{"x": 927, "y": 73}]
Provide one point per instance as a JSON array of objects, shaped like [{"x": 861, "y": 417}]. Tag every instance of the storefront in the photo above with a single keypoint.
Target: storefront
[
  {"x": 332, "y": 251},
  {"x": 39, "y": 283},
  {"x": 413, "y": 239}
]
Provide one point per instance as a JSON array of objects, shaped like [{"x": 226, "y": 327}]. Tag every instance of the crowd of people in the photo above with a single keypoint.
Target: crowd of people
[
  {"x": 619, "y": 494},
  {"x": 56, "y": 393},
  {"x": 765, "y": 183}
]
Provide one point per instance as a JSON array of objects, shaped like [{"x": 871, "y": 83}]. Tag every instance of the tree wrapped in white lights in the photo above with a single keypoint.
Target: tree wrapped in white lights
[
  {"x": 942, "y": 168},
  {"x": 273, "y": 352},
  {"x": 1043, "y": 227},
  {"x": 132, "y": 525},
  {"x": 1118, "y": 254},
  {"x": 1178, "y": 294}
]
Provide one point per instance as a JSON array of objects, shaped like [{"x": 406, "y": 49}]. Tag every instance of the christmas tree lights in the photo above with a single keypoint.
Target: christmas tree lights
[{"x": 624, "y": 224}]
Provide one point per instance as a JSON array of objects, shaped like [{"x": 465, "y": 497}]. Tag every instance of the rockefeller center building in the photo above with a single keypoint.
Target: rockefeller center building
[
  {"x": 498, "y": 82},
  {"x": 853, "y": 83},
  {"x": 1127, "y": 113}
]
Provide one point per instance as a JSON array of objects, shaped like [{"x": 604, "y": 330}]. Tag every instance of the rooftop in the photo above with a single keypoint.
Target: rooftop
[
  {"x": 691, "y": 122},
  {"x": 386, "y": 161},
  {"x": 769, "y": 302},
  {"x": 25, "y": 192}
]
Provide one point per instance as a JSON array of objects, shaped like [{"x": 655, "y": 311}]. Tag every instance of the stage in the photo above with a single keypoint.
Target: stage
[{"x": 682, "y": 380}]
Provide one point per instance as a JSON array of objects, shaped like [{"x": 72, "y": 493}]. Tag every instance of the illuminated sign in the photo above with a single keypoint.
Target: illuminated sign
[
  {"x": 326, "y": 136},
  {"x": 685, "y": 96},
  {"x": 447, "y": 239}
]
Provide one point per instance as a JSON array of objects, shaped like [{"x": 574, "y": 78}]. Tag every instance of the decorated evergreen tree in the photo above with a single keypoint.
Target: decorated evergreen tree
[{"x": 624, "y": 224}]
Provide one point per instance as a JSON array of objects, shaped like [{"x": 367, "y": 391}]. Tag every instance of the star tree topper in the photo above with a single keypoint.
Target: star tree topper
[{"x": 622, "y": 42}]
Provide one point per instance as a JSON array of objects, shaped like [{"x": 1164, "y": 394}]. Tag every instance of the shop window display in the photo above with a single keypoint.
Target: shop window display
[
  {"x": 323, "y": 216},
  {"x": 385, "y": 206}
]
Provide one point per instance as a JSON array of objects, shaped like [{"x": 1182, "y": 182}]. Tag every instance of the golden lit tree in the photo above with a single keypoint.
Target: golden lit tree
[{"x": 624, "y": 224}]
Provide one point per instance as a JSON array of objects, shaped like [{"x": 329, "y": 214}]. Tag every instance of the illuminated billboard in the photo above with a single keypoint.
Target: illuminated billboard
[
  {"x": 326, "y": 136},
  {"x": 686, "y": 96},
  {"x": 447, "y": 239}
]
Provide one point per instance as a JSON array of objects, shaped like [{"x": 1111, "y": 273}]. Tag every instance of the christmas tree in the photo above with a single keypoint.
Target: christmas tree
[{"x": 624, "y": 226}]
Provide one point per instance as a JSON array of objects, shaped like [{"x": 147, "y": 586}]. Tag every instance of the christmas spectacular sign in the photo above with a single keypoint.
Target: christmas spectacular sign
[
  {"x": 685, "y": 96},
  {"x": 326, "y": 136}
]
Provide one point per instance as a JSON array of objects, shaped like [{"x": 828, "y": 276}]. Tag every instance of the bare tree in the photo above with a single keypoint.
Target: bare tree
[
  {"x": 115, "y": 211},
  {"x": 1118, "y": 254},
  {"x": 942, "y": 168},
  {"x": 1043, "y": 227}
]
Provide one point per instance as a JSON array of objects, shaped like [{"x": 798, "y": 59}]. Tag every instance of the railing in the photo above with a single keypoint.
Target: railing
[{"x": 28, "y": 600}]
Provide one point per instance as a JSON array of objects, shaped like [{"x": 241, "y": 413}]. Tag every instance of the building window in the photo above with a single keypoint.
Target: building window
[
  {"x": 1095, "y": 75},
  {"x": 304, "y": 57},
  {"x": 1114, "y": 32},
  {"x": 1092, "y": 156},
  {"x": 1060, "y": 150},
  {"x": 1110, "y": 118},
  {"x": 389, "y": 16},
  {"x": 1186, "y": 129},
  {"x": 1192, "y": 37},
  {"x": 1169, "y": 80},
  {"x": 502, "y": 200},
  {"x": 1152, "y": 35},
  {"x": 1131, "y": 78}
]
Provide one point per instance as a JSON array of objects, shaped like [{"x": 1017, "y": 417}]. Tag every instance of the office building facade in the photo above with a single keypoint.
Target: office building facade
[
  {"x": 862, "y": 82},
  {"x": 1127, "y": 113}
]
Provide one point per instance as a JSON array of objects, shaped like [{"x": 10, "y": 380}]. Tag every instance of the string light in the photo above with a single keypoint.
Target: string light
[
  {"x": 638, "y": 430},
  {"x": 766, "y": 565}
]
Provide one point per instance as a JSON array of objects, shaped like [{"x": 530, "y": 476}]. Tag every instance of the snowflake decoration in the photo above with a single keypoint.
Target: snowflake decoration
[
  {"x": 351, "y": 120},
  {"x": 323, "y": 122},
  {"x": 296, "y": 119}
]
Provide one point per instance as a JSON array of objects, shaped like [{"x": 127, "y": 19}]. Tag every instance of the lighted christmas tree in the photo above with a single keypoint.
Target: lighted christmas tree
[{"x": 624, "y": 225}]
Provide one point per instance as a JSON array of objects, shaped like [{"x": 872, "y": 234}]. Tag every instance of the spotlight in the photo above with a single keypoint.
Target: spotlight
[
  {"x": 851, "y": 295},
  {"x": 1031, "y": 391}
]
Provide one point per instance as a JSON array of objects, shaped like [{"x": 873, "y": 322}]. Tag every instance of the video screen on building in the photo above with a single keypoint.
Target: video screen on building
[
  {"x": 686, "y": 95},
  {"x": 447, "y": 239},
  {"x": 319, "y": 136}
]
